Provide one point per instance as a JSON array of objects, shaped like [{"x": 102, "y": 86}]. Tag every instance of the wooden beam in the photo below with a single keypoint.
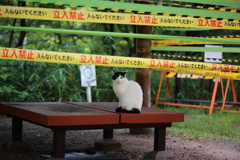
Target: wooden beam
[{"x": 143, "y": 75}]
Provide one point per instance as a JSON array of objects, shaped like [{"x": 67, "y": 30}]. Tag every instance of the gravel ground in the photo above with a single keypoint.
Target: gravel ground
[{"x": 133, "y": 146}]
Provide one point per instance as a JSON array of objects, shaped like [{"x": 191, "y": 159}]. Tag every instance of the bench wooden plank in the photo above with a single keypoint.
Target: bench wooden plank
[
  {"x": 59, "y": 114},
  {"x": 106, "y": 106},
  {"x": 11, "y": 109},
  {"x": 148, "y": 115},
  {"x": 152, "y": 115}
]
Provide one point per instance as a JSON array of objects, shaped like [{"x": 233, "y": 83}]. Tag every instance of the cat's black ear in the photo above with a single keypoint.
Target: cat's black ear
[
  {"x": 113, "y": 72},
  {"x": 124, "y": 73}
]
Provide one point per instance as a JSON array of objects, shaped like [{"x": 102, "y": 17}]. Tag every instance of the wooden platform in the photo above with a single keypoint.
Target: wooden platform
[{"x": 82, "y": 115}]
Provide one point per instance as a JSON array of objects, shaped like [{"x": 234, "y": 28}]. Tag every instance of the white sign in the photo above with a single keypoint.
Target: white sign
[
  {"x": 212, "y": 54},
  {"x": 88, "y": 75}
]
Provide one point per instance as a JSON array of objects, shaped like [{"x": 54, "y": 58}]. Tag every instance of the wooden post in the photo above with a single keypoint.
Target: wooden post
[
  {"x": 159, "y": 139},
  {"x": 58, "y": 144},
  {"x": 107, "y": 133},
  {"x": 143, "y": 75},
  {"x": 17, "y": 145},
  {"x": 16, "y": 129},
  {"x": 159, "y": 146}
]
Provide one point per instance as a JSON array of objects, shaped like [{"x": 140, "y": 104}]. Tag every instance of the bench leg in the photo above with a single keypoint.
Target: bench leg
[
  {"x": 17, "y": 145},
  {"x": 17, "y": 129},
  {"x": 107, "y": 133},
  {"x": 107, "y": 142},
  {"x": 58, "y": 144},
  {"x": 159, "y": 139},
  {"x": 159, "y": 152}
]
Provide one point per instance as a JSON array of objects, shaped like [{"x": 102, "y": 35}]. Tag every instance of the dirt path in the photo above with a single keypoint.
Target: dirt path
[{"x": 133, "y": 146}]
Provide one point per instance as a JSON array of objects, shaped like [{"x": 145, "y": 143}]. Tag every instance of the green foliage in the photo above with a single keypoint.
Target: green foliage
[
  {"x": 199, "y": 125},
  {"x": 38, "y": 82}
]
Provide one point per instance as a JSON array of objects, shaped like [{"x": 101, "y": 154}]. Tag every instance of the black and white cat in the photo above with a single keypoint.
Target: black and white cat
[{"x": 129, "y": 93}]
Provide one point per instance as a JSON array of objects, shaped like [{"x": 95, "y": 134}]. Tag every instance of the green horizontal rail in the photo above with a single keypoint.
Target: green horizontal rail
[
  {"x": 142, "y": 7},
  {"x": 115, "y": 34},
  {"x": 198, "y": 49},
  {"x": 229, "y": 3}
]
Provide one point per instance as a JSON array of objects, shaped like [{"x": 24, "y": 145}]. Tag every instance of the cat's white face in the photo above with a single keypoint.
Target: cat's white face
[{"x": 119, "y": 77}]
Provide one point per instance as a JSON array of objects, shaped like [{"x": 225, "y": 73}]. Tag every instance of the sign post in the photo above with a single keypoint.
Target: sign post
[{"x": 88, "y": 79}]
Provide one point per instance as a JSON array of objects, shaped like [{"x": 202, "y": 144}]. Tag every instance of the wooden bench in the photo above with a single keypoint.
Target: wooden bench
[{"x": 60, "y": 117}]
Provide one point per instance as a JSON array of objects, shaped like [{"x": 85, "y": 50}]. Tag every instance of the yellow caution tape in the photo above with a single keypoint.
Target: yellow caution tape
[
  {"x": 178, "y": 42},
  {"x": 115, "y": 18},
  {"x": 222, "y": 9},
  {"x": 234, "y": 8},
  {"x": 190, "y": 76},
  {"x": 117, "y": 61},
  {"x": 195, "y": 58},
  {"x": 206, "y": 73},
  {"x": 159, "y": 13}
]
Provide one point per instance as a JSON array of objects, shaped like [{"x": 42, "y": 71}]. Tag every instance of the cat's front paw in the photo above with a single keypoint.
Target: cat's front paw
[
  {"x": 119, "y": 109},
  {"x": 133, "y": 110}
]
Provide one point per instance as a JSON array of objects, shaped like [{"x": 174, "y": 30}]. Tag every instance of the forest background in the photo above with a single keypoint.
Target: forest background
[{"x": 22, "y": 81}]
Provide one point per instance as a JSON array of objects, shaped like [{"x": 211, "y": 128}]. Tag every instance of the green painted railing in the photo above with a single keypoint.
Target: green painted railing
[
  {"x": 115, "y": 34},
  {"x": 198, "y": 49},
  {"x": 229, "y": 3}
]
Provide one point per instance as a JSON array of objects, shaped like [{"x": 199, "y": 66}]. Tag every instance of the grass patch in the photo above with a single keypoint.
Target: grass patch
[{"x": 199, "y": 125}]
